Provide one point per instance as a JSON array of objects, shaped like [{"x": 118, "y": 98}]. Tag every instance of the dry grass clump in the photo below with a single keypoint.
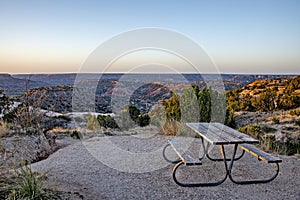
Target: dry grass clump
[
  {"x": 170, "y": 127},
  {"x": 25, "y": 184},
  {"x": 4, "y": 130}
]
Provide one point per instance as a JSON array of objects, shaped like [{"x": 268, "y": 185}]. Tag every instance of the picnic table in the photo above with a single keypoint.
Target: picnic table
[{"x": 219, "y": 134}]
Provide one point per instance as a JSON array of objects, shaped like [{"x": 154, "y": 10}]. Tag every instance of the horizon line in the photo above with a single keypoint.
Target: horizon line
[{"x": 167, "y": 73}]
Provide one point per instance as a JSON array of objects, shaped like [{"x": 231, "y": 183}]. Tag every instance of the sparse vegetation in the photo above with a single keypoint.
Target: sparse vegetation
[
  {"x": 172, "y": 107},
  {"x": 261, "y": 97},
  {"x": 266, "y": 100},
  {"x": 170, "y": 127},
  {"x": 24, "y": 184},
  {"x": 5, "y": 103},
  {"x": 106, "y": 121},
  {"x": 157, "y": 116},
  {"x": 124, "y": 120},
  {"x": 76, "y": 135},
  {"x": 295, "y": 112},
  {"x": 92, "y": 123},
  {"x": 297, "y": 122},
  {"x": 3, "y": 128},
  {"x": 143, "y": 120},
  {"x": 253, "y": 130},
  {"x": 268, "y": 141},
  {"x": 275, "y": 120},
  {"x": 131, "y": 116}
]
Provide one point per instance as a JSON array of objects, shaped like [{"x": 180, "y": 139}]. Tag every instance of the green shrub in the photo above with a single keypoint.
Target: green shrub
[
  {"x": 275, "y": 120},
  {"x": 254, "y": 130},
  {"x": 229, "y": 120},
  {"x": 157, "y": 115},
  {"x": 134, "y": 112},
  {"x": 131, "y": 116},
  {"x": 295, "y": 112},
  {"x": 76, "y": 135},
  {"x": 143, "y": 120},
  {"x": 189, "y": 105},
  {"x": 297, "y": 122},
  {"x": 172, "y": 107},
  {"x": 204, "y": 100},
  {"x": 106, "y": 121},
  {"x": 124, "y": 120}
]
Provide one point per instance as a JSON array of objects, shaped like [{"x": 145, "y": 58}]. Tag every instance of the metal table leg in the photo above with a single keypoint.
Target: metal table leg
[{"x": 216, "y": 159}]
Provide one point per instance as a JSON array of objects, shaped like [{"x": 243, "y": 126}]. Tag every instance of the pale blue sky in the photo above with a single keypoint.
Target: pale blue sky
[{"x": 242, "y": 36}]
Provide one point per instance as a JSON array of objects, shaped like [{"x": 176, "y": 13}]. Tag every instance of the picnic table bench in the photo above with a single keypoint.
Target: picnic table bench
[{"x": 219, "y": 134}]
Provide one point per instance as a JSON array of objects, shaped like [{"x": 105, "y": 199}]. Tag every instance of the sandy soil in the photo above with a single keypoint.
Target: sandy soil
[{"x": 87, "y": 170}]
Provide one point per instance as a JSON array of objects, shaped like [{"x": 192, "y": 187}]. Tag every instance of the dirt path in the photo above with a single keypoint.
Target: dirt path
[{"x": 73, "y": 168}]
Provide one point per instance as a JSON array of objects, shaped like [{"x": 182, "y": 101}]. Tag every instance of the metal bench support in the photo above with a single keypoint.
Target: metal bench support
[
  {"x": 206, "y": 154},
  {"x": 167, "y": 159},
  {"x": 194, "y": 184}
]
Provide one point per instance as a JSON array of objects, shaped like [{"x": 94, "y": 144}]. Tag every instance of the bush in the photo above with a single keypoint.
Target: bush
[
  {"x": 5, "y": 103},
  {"x": 130, "y": 116},
  {"x": 134, "y": 113},
  {"x": 275, "y": 120},
  {"x": 25, "y": 116},
  {"x": 92, "y": 123},
  {"x": 106, "y": 121},
  {"x": 3, "y": 128},
  {"x": 124, "y": 120},
  {"x": 266, "y": 100},
  {"x": 189, "y": 105},
  {"x": 291, "y": 147},
  {"x": 269, "y": 143},
  {"x": 229, "y": 120},
  {"x": 157, "y": 115},
  {"x": 76, "y": 135},
  {"x": 295, "y": 112},
  {"x": 143, "y": 120},
  {"x": 253, "y": 130},
  {"x": 173, "y": 108},
  {"x": 297, "y": 122},
  {"x": 204, "y": 100}
]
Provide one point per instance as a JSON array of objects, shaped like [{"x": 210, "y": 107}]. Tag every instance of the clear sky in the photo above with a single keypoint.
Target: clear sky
[{"x": 242, "y": 36}]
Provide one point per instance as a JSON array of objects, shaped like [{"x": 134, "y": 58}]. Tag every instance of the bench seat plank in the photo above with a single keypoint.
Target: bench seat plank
[
  {"x": 260, "y": 154},
  {"x": 187, "y": 159},
  {"x": 207, "y": 134}
]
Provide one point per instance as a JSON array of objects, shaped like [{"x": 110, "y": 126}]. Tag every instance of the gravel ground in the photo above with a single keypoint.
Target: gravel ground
[{"x": 103, "y": 168}]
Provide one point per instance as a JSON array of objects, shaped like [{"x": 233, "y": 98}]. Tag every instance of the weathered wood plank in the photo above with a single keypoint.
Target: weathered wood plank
[
  {"x": 207, "y": 134},
  {"x": 235, "y": 133},
  {"x": 186, "y": 158},
  {"x": 267, "y": 158},
  {"x": 223, "y": 134}
]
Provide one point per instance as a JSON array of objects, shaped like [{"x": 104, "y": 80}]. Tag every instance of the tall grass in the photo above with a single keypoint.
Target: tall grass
[
  {"x": 170, "y": 127},
  {"x": 4, "y": 130},
  {"x": 25, "y": 184}
]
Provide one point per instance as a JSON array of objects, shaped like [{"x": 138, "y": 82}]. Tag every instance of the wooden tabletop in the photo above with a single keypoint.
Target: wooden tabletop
[{"x": 217, "y": 133}]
